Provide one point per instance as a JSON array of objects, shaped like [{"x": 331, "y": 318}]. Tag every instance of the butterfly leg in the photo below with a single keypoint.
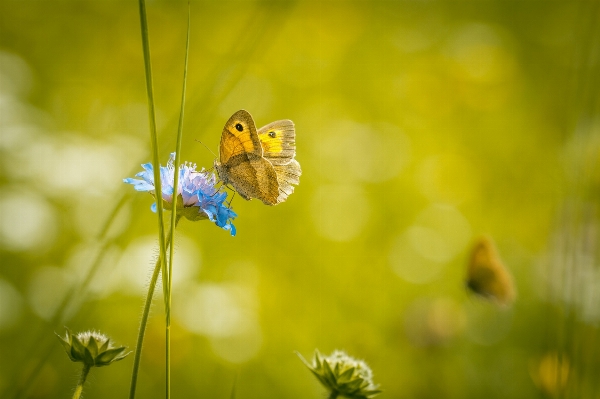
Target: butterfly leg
[
  {"x": 232, "y": 197},
  {"x": 221, "y": 184}
]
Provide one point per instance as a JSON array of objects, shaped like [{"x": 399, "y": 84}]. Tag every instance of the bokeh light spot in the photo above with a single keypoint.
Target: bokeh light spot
[
  {"x": 27, "y": 220},
  {"x": 439, "y": 233},
  {"x": 477, "y": 49},
  {"x": 211, "y": 310},
  {"x": 16, "y": 136},
  {"x": 352, "y": 152},
  {"x": 409, "y": 264},
  {"x": 238, "y": 348},
  {"x": 450, "y": 224},
  {"x": 225, "y": 314},
  {"x": 76, "y": 165},
  {"x": 15, "y": 75},
  {"x": 340, "y": 212},
  {"x": 429, "y": 243},
  {"x": 136, "y": 264}
]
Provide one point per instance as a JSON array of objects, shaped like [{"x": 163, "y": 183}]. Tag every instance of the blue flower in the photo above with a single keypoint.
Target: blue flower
[{"x": 197, "y": 197}]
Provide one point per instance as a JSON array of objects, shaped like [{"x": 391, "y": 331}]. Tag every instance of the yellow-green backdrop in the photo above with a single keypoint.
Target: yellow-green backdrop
[{"x": 420, "y": 125}]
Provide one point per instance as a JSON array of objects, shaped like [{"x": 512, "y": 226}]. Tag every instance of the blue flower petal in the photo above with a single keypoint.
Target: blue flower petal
[
  {"x": 232, "y": 229},
  {"x": 147, "y": 167},
  {"x": 209, "y": 210},
  {"x": 139, "y": 185}
]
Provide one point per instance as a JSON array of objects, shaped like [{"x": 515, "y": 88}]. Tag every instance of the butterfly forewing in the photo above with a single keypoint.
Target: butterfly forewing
[{"x": 239, "y": 137}]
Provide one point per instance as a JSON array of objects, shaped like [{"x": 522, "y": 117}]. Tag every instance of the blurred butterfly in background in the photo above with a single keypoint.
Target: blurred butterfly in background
[
  {"x": 259, "y": 164},
  {"x": 487, "y": 276}
]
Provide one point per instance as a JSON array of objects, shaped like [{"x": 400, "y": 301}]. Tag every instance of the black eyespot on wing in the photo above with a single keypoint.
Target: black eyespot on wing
[
  {"x": 239, "y": 127},
  {"x": 272, "y": 135}
]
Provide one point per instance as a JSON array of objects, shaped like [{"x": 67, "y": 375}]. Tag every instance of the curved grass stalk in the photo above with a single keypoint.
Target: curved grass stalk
[{"x": 154, "y": 143}]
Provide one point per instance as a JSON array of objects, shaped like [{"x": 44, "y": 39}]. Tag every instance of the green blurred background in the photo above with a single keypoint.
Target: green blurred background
[{"x": 420, "y": 126}]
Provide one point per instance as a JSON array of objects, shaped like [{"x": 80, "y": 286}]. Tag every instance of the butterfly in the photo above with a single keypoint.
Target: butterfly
[
  {"x": 259, "y": 164},
  {"x": 487, "y": 276}
]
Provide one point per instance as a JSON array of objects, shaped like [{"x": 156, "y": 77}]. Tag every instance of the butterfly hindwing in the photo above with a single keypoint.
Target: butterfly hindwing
[
  {"x": 287, "y": 176},
  {"x": 278, "y": 141},
  {"x": 254, "y": 178}
]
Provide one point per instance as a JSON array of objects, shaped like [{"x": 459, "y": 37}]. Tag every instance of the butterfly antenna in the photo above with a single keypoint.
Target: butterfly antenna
[{"x": 206, "y": 147}]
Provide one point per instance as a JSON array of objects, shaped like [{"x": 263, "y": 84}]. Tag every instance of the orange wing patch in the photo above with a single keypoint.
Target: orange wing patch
[{"x": 239, "y": 137}]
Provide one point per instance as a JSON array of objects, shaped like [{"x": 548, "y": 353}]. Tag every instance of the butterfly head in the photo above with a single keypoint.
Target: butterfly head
[{"x": 221, "y": 172}]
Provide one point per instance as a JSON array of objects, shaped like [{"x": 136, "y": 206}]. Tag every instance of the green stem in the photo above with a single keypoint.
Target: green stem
[
  {"x": 154, "y": 143},
  {"x": 79, "y": 387},
  {"x": 144, "y": 321},
  {"x": 174, "y": 217},
  {"x": 168, "y": 359},
  {"x": 334, "y": 394}
]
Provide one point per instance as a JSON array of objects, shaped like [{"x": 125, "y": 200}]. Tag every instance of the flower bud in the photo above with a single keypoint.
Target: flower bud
[
  {"x": 343, "y": 375},
  {"x": 91, "y": 348}
]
